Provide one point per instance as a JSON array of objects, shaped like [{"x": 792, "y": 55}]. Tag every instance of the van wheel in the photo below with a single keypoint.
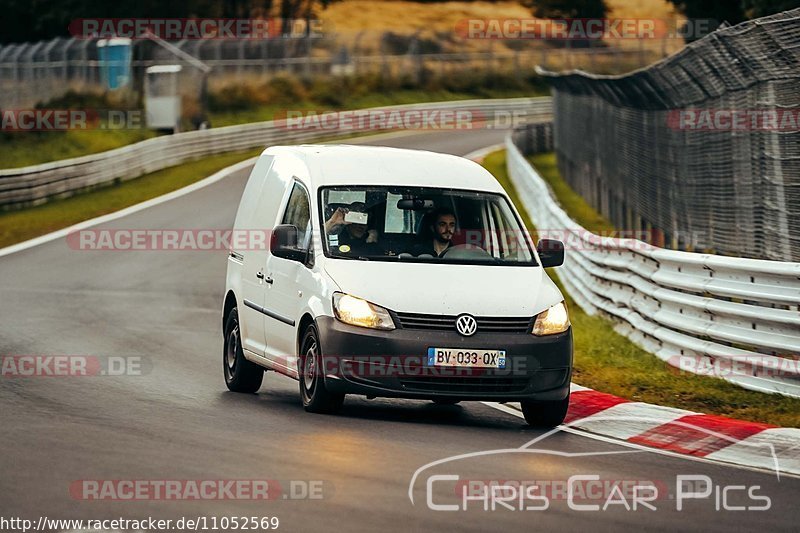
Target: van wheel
[
  {"x": 241, "y": 375},
  {"x": 545, "y": 414},
  {"x": 316, "y": 398}
]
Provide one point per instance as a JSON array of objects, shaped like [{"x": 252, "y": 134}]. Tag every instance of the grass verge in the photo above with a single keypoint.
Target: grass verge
[
  {"x": 18, "y": 226},
  {"x": 572, "y": 202},
  {"x": 31, "y": 148},
  {"x": 408, "y": 96},
  {"x": 609, "y": 362}
]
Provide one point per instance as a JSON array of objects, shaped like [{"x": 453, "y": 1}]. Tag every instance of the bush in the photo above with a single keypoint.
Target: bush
[
  {"x": 285, "y": 89},
  {"x": 398, "y": 44},
  {"x": 72, "y": 99},
  {"x": 378, "y": 83},
  {"x": 337, "y": 91},
  {"x": 484, "y": 83},
  {"x": 330, "y": 92},
  {"x": 238, "y": 97}
]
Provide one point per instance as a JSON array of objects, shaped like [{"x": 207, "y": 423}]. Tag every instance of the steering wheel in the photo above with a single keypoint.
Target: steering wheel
[{"x": 466, "y": 251}]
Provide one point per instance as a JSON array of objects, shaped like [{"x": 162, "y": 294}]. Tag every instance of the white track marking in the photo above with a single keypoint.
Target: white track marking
[
  {"x": 58, "y": 234},
  {"x": 626, "y": 420},
  {"x": 782, "y": 440},
  {"x": 483, "y": 152},
  {"x": 610, "y": 440}
]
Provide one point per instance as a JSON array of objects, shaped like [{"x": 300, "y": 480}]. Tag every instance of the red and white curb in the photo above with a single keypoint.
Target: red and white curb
[{"x": 710, "y": 437}]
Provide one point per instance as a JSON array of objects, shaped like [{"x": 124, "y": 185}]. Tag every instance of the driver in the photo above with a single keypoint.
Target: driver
[{"x": 443, "y": 227}]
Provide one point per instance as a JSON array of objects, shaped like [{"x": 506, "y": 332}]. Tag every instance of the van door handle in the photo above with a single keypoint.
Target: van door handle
[
  {"x": 269, "y": 280},
  {"x": 260, "y": 275}
]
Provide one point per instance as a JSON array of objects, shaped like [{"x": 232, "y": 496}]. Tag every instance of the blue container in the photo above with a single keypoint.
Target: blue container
[{"x": 115, "y": 62}]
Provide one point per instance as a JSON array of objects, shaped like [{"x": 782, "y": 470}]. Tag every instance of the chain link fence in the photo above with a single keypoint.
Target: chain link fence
[
  {"x": 702, "y": 147},
  {"x": 32, "y": 73}
]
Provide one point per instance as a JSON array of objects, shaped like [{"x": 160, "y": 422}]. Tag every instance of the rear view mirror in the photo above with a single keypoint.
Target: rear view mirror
[
  {"x": 551, "y": 252},
  {"x": 416, "y": 204},
  {"x": 283, "y": 243}
]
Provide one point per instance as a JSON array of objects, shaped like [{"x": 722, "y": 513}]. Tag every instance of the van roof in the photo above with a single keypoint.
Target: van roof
[{"x": 342, "y": 164}]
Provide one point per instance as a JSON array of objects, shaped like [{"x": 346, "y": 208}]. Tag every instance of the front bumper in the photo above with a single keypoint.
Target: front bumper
[{"x": 394, "y": 364}]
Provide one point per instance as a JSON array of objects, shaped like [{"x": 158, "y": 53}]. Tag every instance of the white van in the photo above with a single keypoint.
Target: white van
[{"x": 392, "y": 273}]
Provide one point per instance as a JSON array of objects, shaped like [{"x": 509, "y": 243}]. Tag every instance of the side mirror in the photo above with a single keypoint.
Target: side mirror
[
  {"x": 551, "y": 252},
  {"x": 283, "y": 243}
]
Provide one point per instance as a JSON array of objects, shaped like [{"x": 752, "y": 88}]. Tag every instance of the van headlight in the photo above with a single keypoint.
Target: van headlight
[
  {"x": 358, "y": 312},
  {"x": 552, "y": 321}
]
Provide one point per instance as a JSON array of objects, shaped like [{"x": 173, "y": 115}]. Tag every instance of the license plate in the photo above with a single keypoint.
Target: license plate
[{"x": 461, "y": 357}]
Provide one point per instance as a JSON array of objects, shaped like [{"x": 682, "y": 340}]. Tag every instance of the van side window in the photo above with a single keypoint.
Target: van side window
[
  {"x": 400, "y": 220},
  {"x": 298, "y": 214}
]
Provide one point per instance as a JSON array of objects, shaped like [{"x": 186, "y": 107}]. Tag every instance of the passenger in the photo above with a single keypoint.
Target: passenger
[
  {"x": 353, "y": 239},
  {"x": 442, "y": 229}
]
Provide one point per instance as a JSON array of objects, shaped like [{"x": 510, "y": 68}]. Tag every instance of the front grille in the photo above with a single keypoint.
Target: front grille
[
  {"x": 486, "y": 324},
  {"x": 466, "y": 385}
]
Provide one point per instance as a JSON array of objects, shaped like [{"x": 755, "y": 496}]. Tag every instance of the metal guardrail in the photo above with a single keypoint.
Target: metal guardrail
[
  {"x": 734, "y": 318},
  {"x": 36, "y": 184}
]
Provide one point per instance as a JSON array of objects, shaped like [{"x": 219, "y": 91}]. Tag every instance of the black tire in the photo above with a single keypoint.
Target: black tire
[
  {"x": 316, "y": 397},
  {"x": 241, "y": 375},
  {"x": 545, "y": 414},
  {"x": 445, "y": 401}
]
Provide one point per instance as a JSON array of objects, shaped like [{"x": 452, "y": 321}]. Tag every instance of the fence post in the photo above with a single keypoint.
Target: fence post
[
  {"x": 642, "y": 59},
  {"x": 307, "y": 62},
  {"x": 264, "y": 56}
]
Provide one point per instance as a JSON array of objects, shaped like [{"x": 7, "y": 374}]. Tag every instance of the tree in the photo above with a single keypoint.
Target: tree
[
  {"x": 568, "y": 9},
  {"x": 718, "y": 11},
  {"x": 762, "y": 8},
  {"x": 34, "y": 20}
]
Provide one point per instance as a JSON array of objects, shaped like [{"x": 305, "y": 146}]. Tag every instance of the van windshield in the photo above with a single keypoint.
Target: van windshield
[{"x": 420, "y": 224}]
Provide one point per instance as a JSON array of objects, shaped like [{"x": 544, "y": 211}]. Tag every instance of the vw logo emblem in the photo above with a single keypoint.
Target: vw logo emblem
[{"x": 466, "y": 325}]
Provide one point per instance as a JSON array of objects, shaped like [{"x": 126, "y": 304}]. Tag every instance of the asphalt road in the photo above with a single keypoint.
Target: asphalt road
[{"x": 177, "y": 421}]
